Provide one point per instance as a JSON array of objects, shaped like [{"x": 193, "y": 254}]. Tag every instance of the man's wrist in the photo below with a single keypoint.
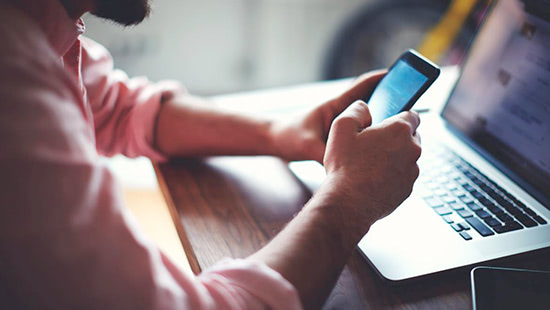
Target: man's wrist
[
  {"x": 275, "y": 138},
  {"x": 342, "y": 210}
]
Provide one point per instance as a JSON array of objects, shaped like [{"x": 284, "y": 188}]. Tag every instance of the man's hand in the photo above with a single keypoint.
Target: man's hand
[
  {"x": 305, "y": 137},
  {"x": 371, "y": 169}
]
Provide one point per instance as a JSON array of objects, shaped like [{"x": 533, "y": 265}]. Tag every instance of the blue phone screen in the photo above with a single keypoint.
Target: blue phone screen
[{"x": 394, "y": 91}]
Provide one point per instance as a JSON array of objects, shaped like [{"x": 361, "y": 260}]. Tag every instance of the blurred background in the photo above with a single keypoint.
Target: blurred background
[{"x": 223, "y": 46}]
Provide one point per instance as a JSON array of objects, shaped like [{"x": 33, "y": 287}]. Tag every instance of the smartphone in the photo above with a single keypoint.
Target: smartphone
[
  {"x": 505, "y": 288},
  {"x": 407, "y": 79}
]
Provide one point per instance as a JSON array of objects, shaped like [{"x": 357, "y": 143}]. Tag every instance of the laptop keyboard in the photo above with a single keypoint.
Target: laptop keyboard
[{"x": 466, "y": 199}]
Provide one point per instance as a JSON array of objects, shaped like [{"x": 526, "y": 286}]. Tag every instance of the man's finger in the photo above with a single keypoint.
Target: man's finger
[
  {"x": 412, "y": 118},
  {"x": 356, "y": 115},
  {"x": 417, "y": 138},
  {"x": 361, "y": 89}
]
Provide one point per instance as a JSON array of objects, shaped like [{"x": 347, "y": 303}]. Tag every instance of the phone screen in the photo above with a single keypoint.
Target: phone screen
[{"x": 395, "y": 91}]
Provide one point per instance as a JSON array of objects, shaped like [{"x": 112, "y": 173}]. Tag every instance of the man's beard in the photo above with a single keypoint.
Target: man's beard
[{"x": 124, "y": 12}]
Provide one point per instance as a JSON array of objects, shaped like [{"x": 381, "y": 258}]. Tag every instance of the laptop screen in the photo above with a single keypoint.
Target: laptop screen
[{"x": 502, "y": 100}]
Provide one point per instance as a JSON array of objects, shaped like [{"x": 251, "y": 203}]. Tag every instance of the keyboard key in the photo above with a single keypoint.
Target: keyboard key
[
  {"x": 464, "y": 226},
  {"x": 477, "y": 180},
  {"x": 465, "y": 213},
  {"x": 432, "y": 185},
  {"x": 481, "y": 228},
  {"x": 456, "y": 227},
  {"x": 492, "y": 222},
  {"x": 515, "y": 212},
  {"x": 508, "y": 202},
  {"x": 485, "y": 201},
  {"x": 477, "y": 194},
  {"x": 510, "y": 207},
  {"x": 454, "y": 175},
  {"x": 504, "y": 217},
  {"x": 447, "y": 219},
  {"x": 465, "y": 235},
  {"x": 452, "y": 187},
  {"x": 447, "y": 168},
  {"x": 461, "y": 180},
  {"x": 503, "y": 202},
  {"x": 466, "y": 199},
  {"x": 486, "y": 188},
  {"x": 448, "y": 199},
  {"x": 509, "y": 196},
  {"x": 443, "y": 210},
  {"x": 462, "y": 168},
  {"x": 456, "y": 206},
  {"x": 495, "y": 209},
  {"x": 508, "y": 227},
  {"x": 526, "y": 221},
  {"x": 529, "y": 211},
  {"x": 517, "y": 203},
  {"x": 474, "y": 206},
  {"x": 540, "y": 220},
  {"x": 458, "y": 192},
  {"x": 492, "y": 193},
  {"x": 483, "y": 214},
  {"x": 433, "y": 201}
]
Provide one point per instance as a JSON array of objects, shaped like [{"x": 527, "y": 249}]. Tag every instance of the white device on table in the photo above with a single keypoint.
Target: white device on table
[{"x": 484, "y": 188}]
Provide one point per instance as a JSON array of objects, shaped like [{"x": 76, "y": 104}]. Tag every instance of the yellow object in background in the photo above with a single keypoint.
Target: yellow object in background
[{"x": 439, "y": 39}]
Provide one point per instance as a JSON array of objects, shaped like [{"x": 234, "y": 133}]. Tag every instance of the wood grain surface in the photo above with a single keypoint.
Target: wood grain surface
[{"x": 232, "y": 206}]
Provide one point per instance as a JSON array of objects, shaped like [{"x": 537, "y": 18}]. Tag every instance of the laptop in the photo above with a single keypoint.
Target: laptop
[{"x": 484, "y": 188}]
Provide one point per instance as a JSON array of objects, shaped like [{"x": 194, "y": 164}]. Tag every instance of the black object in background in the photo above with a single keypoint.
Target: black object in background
[
  {"x": 377, "y": 32},
  {"x": 503, "y": 288}
]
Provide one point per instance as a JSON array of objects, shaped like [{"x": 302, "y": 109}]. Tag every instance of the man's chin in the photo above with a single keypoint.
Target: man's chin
[{"x": 124, "y": 12}]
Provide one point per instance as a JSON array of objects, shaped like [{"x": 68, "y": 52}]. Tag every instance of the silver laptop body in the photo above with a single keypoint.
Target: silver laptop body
[{"x": 489, "y": 150}]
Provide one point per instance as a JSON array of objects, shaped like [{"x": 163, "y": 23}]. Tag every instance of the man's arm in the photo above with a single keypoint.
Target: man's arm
[
  {"x": 370, "y": 172},
  {"x": 189, "y": 126},
  {"x": 158, "y": 120}
]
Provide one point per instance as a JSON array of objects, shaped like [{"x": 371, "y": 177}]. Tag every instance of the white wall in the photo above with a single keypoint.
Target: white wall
[{"x": 218, "y": 46}]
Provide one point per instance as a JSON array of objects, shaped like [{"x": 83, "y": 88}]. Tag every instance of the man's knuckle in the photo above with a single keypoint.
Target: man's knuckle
[
  {"x": 416, "y": 171},
  {"x": 345, "y": 121},
  {"x": 416, "y": 151},
  {"x": 401, "y": 126}
]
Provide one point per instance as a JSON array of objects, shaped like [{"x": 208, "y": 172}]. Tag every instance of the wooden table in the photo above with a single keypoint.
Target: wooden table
[
  {"x": 142, "y": 196},
  {"x": 232, "y": 206}
]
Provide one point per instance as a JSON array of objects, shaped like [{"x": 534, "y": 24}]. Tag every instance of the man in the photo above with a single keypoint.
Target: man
[{"x": 66, "y": 241}]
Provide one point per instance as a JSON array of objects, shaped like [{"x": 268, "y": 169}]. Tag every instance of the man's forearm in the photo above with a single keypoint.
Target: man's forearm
[
  {"x": 195, "y": 129},
  {"x": 312, "y": 250}
]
